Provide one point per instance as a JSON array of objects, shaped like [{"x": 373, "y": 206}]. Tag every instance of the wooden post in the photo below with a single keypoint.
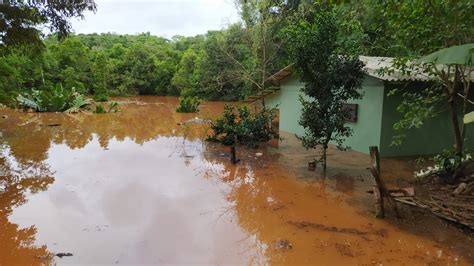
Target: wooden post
[
  {"x": 233, "y": 157},
  {"x": 375, "y": 170},
  {"x": 380, "y": 190}
]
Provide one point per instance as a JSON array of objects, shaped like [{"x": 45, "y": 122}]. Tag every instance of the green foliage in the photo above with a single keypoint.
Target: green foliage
[
  {"x": 20, "y": 20},
  {"x": 78, "y": 103},
  {"x": 229, "y": 64},
  {"x": 99, "y": 109},
  {"x": 331, "y": 77},
  {"x": 448, "y": 161},
  {"x": 469, "y": 118},
  {"x": 184, "y": 80},
  {"x": 113, "y": 107},
  {"x": 450, "y": 91},
  {"x": 101, "y": 97},
  {"x": 188, "y": 105},
  {"x": 417, "y": 106},
  {"x": 54, "y": 99},
  {"x": 239, "y": 126}
]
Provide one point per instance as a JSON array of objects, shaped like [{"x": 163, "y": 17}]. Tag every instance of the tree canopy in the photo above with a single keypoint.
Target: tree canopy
[{"x": 20, "y": 20}]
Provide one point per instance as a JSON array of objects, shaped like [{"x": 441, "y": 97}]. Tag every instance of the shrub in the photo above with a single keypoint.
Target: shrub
[
  {"x": 238, "y": 126},
  {"x": 99, "y": 109},
  {"x": 101, "y": 97},
  {"x": 53, "y": 99},
  {"x": 188, "y": 105}
]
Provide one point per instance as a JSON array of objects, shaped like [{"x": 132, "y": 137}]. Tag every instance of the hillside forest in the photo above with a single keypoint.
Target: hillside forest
[{"x": 229, "y": 64}]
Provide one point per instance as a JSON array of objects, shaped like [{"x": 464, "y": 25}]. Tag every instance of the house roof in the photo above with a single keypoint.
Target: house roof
[
  {"x": 281, "y": 75},
  {"x": 373, "y": 67}
]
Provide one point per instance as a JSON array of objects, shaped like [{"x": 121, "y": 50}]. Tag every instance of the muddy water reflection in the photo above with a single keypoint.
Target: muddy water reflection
[{"x": 135, "y": 187}]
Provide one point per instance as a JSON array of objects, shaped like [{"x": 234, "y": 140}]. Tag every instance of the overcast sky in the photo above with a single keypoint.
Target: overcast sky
[{"x": 159, "y": 17}]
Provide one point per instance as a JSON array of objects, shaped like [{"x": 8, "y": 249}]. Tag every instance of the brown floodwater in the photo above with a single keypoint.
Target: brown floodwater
[{"x": 135, "y": 187}]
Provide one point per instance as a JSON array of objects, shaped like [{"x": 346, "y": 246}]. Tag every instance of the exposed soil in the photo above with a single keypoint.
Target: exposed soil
[{"x": 141, "y": 186}]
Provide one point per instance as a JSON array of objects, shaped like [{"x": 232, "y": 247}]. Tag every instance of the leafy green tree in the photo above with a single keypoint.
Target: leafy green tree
[
  {"x": 184, "y": 80},
  {"x": 140, "y": 68},
  {"x": 410, "y": 28},
  {"x": 20, "y": 19},
  {"x": 263, "y": 20},
  {"x": 218, "y": 76},
  {"x": 188, "y": 105},
  {"x": 100, "y": 75},
  {"x": 417, "y": 28},
  {"x": 239, "y": 126},
  {"x": 330, "y": 76}
]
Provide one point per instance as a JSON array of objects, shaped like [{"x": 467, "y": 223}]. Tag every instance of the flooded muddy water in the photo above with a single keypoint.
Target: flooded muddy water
[{"x": 135, "y": 187}]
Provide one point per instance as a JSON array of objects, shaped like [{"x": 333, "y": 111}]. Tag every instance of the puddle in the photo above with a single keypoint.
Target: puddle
[{"x": 138, "y": 187}]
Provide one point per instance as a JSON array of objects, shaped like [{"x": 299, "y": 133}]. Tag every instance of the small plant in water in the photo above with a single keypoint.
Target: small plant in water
[
  {"x": 188, "y": 105},
  {"x": 101, "y": 97},
  {"x": 100, "y": 109},
  {"x": 113, "y": 107}
]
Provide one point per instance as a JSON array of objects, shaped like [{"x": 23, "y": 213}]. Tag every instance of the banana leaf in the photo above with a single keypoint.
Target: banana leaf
[
  {"x": 469, "y": 118},
  {"x": 454, "y": 55}
]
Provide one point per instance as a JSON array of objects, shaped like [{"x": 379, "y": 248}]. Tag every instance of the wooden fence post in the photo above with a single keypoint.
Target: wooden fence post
[
  {"x": 380, "y": 190},
  {"x": 233, "y": 156},
  {"x": 375, "y": 170}
]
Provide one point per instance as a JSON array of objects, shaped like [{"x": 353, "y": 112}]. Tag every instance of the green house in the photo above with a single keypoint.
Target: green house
[{"x": 374, "y": 114}]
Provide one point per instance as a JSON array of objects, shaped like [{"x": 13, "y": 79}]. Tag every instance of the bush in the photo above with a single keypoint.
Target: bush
[
  {"x": 53, "y": 99},
  {"x": 188, "y": 105},
  {"x": 238, "y": 126},
  {"x": 100, "y": 109},
  {"x": 101, "y": 97}
]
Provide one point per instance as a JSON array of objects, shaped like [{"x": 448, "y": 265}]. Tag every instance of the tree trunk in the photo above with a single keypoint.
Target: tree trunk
[
  {"x": 378, "y": 194},
  {"x": 324, "y": 158},
  {"x": 380, "y": 190},
  {"x": 458, "y": 140},
  {"x": 233, "y": 157},
  {"x": 467, "y": 89}
]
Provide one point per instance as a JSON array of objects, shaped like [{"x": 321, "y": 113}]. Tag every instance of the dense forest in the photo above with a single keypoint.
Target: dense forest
[{"x": 229, "y": 64}]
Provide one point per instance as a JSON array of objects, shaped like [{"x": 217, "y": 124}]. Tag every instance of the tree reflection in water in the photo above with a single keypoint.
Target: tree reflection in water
[{"x": 18, "y": 244}]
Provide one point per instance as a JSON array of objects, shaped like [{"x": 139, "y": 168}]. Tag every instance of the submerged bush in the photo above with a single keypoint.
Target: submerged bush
[
  {"x": 101, "y": 97},
  {"x": 239, "y": 126},
  {"x": 188, "y": 105},
  {"x": 100, "y": 109},
  {"x": 53, "y": 99}
]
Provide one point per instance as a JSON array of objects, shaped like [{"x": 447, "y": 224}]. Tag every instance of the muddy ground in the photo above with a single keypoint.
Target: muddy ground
[{"x": 139, "y": 187}]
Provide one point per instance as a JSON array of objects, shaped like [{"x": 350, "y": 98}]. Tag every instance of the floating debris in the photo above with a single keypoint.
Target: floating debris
[
  {"x": 283, "y": 244},
  {"x": 196, "y": 120},
  {"x": 3, "y": 186},
  {"x": 61, "y": 255},
  {"x": 50, "y": 125}
]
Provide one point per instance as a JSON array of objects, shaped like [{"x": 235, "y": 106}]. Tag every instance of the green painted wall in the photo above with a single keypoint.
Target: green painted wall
[
  {"x": 367, "y": 129},
  {"x": 376, "y": 116},
  {"x": 433, "y": 137}
]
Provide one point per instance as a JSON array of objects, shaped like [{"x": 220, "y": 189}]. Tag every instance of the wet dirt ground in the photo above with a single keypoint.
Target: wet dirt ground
[{"x": 135, "y": 187}]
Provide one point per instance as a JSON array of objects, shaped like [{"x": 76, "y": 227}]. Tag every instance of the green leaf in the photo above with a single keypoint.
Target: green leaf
[
  {"x": 454, "y": 55},
  {"x": 469, "y": 118}
]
